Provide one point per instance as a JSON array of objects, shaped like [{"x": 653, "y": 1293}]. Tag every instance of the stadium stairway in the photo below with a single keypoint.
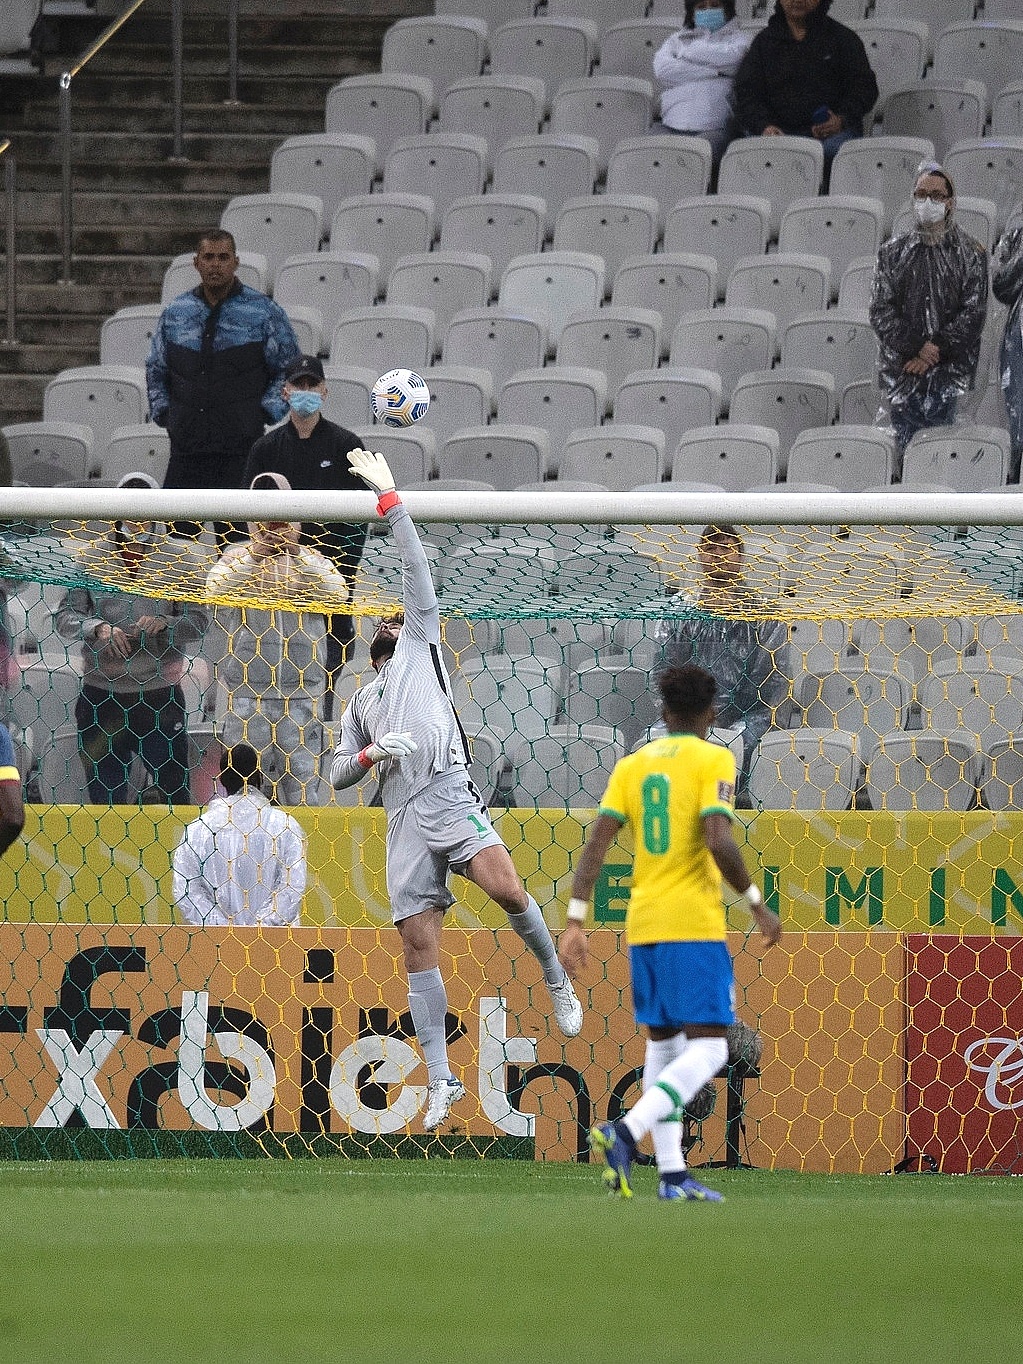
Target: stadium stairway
[{"x": 135, "y": 210}]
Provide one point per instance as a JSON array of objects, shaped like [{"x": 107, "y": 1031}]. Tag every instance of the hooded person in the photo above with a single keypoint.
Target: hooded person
[
  {"x": 695, "y": 67},
  {"x": 270, "y": 592},
  {"x": 135, "y": 648},
  {"x": 928, "y": 305},
  {"x": 1007, "y": 287}
]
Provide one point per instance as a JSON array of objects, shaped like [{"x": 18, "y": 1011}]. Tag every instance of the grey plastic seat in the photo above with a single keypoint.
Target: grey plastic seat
[
  {"x": 804, "y": 769},
  {"x": 620, "y": 457},
  {"x": 141, "y": 449},
  {"x": 778, "y": 169},
  {"x": 504, "y": 453},
  {"x": 897, "y": 49},
  {"x": 788, "y": 400},
  {"x": 492, "y": 12},
  {"x": 727, "y": 227},
  {"x": 989, "y": 52},
  {"x": 612, "y": 693},
  {"x": 669, "y": 284},
  {"x": 974, "y": 693},
  {"x": 460, "y": 396},
  {"x": 935, "y": 13},
  {"x": 839, "y": 226},
  {"x": 967, "y": 458},
  {"x": 551, "y": 167},
  {"x": 880, "y": 168},
  {"x": 307, "y": 324},
  {"x": 494, "y": 107},
  {"x": 382, "y": 106},
  {"x": 181, "y": 275},
  {"x": 411, "y": 453},
  {"x": 47, "y": 453},
  {"x": 442, "y": 47},
  {"x": 445, "y": 281},
  {"x": 729, "y": 341},
  {"x": 275, "y": 225},
  {"x": 1007, "y": 111},
  {"x": 1002, "y": 779},
  {"x": 628, "y": 48},
  {"x": 856, "y": 286},
  {"x": 673, "y": 400},
  {"x": 559, "y": 399},
  {"x": 510, "y": 696},
  {"x": 850, "y": 458},
  {"x": 443, "y": 166},
  {"x": 330, "y": 281},
  {"x": 569, "y": 765},
  {"x": 384, "y": 337},
  {"x": 944, "y": 111},
  {"x": 500, "y": 226},
  {"x": 329, "y": 165},
  {"x": 615, "y": 340},
  {"x": 393, "y": 224},
  {"x": 552, "y": 285},
  {"x": 603, "y": 13},
  {"x": 102, "y": 397},
  {"x": 349, "y": 388},
  {"x": 499, "y": 340},
  {"x": 787, "y": 284},
  {"x": 865, "y": 702},
  {"x": 16, "y": 24},
  {"x": 612, "y": 226},
  {"x": 936, "y": 770},
  {"x": 126, "y": 336},
  {"x": 989, "y": 168},
  {"x": 735, "y": 457},
  {"x": 977, "y": 217},
  {"x": 606, "y": 108},
  {"x": 841, "y": 343},
  {"x": 544, "y": 48},
  {"x": 666, "y": 167}
]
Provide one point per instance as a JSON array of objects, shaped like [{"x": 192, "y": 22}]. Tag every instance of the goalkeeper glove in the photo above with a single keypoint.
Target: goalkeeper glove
[
  {"x": 374, "y": 471},
  {"x": 392, "y": 745}
]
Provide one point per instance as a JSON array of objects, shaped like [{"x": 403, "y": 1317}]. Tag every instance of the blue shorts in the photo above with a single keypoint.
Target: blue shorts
[{"x": 674, "y": 983}]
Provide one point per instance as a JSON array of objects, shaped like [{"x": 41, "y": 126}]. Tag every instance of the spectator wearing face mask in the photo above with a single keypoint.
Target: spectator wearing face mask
[
  {"x": 695, "y": 68},
  {"x": 928, "y": 304}
]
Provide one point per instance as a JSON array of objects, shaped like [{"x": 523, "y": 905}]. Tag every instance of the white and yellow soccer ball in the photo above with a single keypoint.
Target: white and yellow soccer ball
[{"x": 400, "y": 397}]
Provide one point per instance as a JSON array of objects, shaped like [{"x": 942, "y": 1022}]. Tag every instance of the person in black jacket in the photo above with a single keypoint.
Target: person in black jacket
[{"x": 805, "y": 74}]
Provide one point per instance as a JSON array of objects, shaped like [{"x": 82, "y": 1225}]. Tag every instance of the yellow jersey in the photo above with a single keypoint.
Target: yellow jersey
[{"x": 663, "y": 792}]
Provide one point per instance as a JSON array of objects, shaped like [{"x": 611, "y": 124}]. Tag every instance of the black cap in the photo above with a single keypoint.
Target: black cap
[{"x": 305, "y": 367}]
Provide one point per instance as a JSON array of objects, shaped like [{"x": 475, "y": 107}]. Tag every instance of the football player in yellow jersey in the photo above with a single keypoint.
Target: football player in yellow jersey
[{"x": 676, "y": 795}]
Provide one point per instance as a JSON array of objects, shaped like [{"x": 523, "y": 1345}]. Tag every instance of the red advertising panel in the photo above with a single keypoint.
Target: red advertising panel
[{"x": 964, "y": 1052}]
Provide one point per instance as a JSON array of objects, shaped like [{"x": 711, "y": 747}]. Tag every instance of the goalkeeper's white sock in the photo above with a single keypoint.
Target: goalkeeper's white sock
[
  {"x": 533, "y": 931},
  {"x": 702, "y": 1058},
  {"x": 428, "y": 1004},
  {"x": 666, "y": 1134}
]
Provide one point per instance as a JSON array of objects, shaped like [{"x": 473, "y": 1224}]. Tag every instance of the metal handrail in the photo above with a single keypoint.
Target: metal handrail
[{"x": 11, "y": 285}]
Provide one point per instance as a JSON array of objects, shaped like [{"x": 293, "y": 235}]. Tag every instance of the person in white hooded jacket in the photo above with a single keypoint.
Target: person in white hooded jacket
[{"x": 695, "y": 68}]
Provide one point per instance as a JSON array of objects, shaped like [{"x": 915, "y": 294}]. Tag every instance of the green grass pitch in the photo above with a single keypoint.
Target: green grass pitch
[{"x": 457, "y": 1260}]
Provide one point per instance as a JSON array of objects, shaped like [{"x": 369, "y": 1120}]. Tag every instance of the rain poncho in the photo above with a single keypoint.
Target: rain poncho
[
  {"x": 1007, "y": 284},
  {"x": 695, "y": 71}
]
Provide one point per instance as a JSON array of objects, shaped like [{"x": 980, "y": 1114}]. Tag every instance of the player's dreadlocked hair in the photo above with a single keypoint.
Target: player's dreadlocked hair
[{"x": 686, "y": 691}]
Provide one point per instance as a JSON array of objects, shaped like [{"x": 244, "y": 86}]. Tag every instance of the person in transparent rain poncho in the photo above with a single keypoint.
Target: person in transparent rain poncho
[
  {"x": 928, "y": 304},
  {"x": 1007, "y": 286}
]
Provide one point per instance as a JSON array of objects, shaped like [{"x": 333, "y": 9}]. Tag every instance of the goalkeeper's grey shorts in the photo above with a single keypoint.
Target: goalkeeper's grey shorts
[{"x": 440, "y": 830}]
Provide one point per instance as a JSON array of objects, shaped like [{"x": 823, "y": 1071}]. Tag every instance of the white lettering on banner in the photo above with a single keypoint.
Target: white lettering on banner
[
  {"x": 233, "y": 1046},
  {"x": 497, "y": 1050},
  {"x": 393, "y": 1061},
  {"x": 76, "y": 1085},
  {"x": 1004, "y": 1068}
]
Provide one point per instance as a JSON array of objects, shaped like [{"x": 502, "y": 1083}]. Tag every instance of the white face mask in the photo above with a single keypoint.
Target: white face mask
[{"x": 929, "y": 211}]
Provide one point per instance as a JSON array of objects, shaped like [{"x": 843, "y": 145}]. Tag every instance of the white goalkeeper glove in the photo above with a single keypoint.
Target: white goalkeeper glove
[
  {"x": 372, "y": 469},
  {"x": 392, "y": 745}
]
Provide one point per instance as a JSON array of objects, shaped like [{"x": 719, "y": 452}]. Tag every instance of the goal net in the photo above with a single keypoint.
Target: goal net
[{"x": 869, "y": 654}]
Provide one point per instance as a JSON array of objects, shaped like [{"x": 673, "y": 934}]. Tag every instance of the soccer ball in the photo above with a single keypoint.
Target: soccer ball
[{"x": 400, "y": 397}]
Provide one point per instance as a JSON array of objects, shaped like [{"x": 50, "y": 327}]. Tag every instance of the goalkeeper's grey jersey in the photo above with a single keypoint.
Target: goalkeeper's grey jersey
[{"x": 410, "y": 694}]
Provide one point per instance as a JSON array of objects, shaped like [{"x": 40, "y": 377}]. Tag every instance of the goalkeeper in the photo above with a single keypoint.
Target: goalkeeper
[{"x": 437, "y": 823}]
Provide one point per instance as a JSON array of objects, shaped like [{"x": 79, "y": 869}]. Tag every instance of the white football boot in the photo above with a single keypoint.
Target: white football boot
[
  {"x": 567, "y": 1009},
  {"x": 439, "y": 1098}
]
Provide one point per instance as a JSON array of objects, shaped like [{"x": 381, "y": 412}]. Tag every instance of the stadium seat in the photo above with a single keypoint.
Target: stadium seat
[
  {"x": 509, "y": 453},
  {"x": 936, "y": 13},
  {"x": 372, "y": 338},
  {"x": 727, "y": 227},
  {"x": 488, "y": 767},
  {"x": 1007, "y": 111},
  {"x": 494, "y": 107},
  {"x": 615, "y": 340},
  {"x": 865, "y": 703},
  {"x": 673, "y": 400},
  {"x": 990, "y": 53},
  {"x": 382, "y": 106},
  {"x": 348, "y": 395},
  {"x": 459, "y": 396},
  {"x": 61, "y": 772},
  {"x": 394, "y": 224},
  {"x": 181, "y": 275},
  {"x": 944, "y": 111},
  {"x": 670, "y": 284},
  {"x": 331, "y": 281},
  {"x": 839, "y": 226},
  {"x": 611, "y": 226},
  {"x": 553, "y": 168},
  {"x": 443, "y": 166},
  {"x": 508, "y": 696},
  {"x": 1002, "y": 778},
  {"x": 16, "y": 24},
  {"x": 880, "y": 168},
  {"x": 606, "y": 108},
  {"x": 728, "y": 341},
  {"x": 843, "y": 345},
  {"x": 666, "y": 167},
  {"x": 805, "y": 769},
  {"x": 329, "y": 165},
  {"x": 788, "y": 400},
  {"x": 275, "y": 225},
  {"x": 786, "y": 284},
  {"x": 492, "y": 12},
  {"x": 967, "y": 458},
  {"x": 558, "y": 398},
  {"x": 859, "y": 404},
  {"x": 442, "y": 47},
  {"x": 47, "y": 453},
  {"x": 552, "y": 285},
  {"x": 603, "y": 13},
  {"x": 412, "y": 454},
  {"x": 102, "y": 397},
  {"x": 778, "y": 169},
  {"x": 569, "y": 765},
  {"x": 628, "y": 48},
  {"x": 500, "y": 226},
  {"x": 850, "y": 458},
  {"x": 913, "y": 646},
  {"x": 544, "y": 48},
  {"x": 614, "y": 694},
  {"x": 617, "y": 456},
  {"x": 989, "y": 168},
  {"x": 936, "y": 770},
  {"x": 125, "y": 337},
  {"x": 856, "y": 286},
  {"x": 307, "y": 324},
  {"x": 990, "y": 410},
  {"x": 732, "y": 456},
  {"x": 444, "y": 281},
  {"x": 897, "y": 49},
  {"x": 143, "y": 449},
  {"x": 500, "y": 340}
]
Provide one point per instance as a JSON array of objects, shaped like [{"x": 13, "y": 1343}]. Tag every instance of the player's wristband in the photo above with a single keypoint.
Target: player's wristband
[
  {"x": 577, "y": 910},
  {"x": 364, "y": 759},
  {"x": 754, "y": 898},
  {"x": 386, "y": 501}
]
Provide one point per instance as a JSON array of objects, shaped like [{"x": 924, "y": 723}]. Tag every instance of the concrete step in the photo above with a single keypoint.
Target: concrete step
[
  {"x": 138, "y": 274},
  {"x": 21, "y": 395},
  {"x": 356, "y": 33},
  {"x": 46, "y": 330},
  {"x": 157, "y": 176},
  {"x": 154, "y": 239},
  {"x": 325, "y": 60},
  {"x": 301, "y": 90},
  {"x": 241, "y": 148},
  {"x": 196, "y": 118},
  {"x": 101, "y": 208},
  {"x": 70, "y": 302}
]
